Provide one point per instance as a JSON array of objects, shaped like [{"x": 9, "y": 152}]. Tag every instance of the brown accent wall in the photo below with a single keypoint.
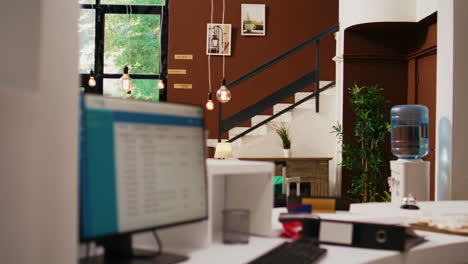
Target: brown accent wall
[
  {"x": 390, "y": 54},
  {"x": 288, "y": 24}
]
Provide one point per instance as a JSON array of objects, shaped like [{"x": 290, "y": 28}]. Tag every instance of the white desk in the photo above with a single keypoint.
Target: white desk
[{"x": 440, "y": 248}]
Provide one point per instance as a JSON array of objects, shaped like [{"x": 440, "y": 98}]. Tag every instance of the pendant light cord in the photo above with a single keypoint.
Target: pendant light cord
[
  {"x": 160, "y": 37},
  {"x": 129, "y": 13},
  {"x": 209, "y": 54},
  {"x": 224, "y": 56}
]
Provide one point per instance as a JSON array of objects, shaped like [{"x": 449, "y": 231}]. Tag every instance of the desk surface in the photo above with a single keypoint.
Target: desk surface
[
  {"x": 440, "y": 248},
  {"x": 289, "y": 159}
]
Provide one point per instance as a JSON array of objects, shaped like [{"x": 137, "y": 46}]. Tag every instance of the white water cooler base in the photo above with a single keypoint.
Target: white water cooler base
[{"x": 409, "y": 177}]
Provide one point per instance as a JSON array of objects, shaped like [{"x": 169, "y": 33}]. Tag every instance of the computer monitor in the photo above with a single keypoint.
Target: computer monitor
[{"x": 142, "y": 167}]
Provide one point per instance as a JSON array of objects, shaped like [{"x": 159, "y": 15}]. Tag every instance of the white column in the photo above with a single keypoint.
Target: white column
[
  {"x": 335, "y": 168},
  {"x": 39, "y": 121},
  {"x": 452, "y": 108}
]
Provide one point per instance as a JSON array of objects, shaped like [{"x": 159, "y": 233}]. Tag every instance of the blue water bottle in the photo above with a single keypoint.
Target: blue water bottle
[{"x": 410, "y": 131}]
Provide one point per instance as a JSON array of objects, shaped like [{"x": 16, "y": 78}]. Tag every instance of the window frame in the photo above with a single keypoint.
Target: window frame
[{"x": 101, "y": 10}]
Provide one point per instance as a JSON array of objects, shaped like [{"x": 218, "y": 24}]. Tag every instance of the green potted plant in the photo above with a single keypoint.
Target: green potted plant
[
  {"x": 282, "y": 130},
  {"x": 364, "y": 155}
]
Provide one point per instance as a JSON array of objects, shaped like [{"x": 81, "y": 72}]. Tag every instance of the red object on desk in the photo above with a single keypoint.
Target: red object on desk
[{"x": 292, "y": 229}]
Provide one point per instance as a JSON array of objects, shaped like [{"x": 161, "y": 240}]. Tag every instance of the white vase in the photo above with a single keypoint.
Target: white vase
[{"x": 287, "y": 153}]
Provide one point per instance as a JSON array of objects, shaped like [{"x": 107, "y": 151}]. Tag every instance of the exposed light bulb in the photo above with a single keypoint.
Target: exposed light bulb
[
  {"x": 209, "y": 105},
  {"x": 91, "y": 81},
  {"x": 161, "y": 85},
  {"x": 126, "y": 83},
  {"x": 223, "y": 94}
]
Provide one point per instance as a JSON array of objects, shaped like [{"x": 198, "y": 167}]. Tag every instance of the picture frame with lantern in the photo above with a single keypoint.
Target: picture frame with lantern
[{"x": 218, "y": 39}]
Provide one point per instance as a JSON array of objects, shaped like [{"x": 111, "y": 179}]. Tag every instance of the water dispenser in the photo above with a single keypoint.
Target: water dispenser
[{"x": 410, "y": 143}]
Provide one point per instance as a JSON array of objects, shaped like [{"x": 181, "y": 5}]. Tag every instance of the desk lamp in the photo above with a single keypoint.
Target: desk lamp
[
  {"x": 223, "y": 151},
  {"x": 410, "y": 143}
]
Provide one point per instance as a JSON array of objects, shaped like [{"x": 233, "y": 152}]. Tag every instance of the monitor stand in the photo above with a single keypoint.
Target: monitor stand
[{"x": 118, "y": 250}]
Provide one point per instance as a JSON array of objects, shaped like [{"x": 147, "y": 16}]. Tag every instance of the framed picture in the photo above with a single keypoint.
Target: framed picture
[
  {"x": 218, "y": 39},
  {"x": 253, "y": 20}
]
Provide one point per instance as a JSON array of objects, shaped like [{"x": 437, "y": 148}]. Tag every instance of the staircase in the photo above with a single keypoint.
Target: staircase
[
  {"x": 264, "y": 142},
  {"x": 302, "y": 116}
]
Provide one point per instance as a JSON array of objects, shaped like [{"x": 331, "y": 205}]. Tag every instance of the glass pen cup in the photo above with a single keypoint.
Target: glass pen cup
[{"x": 236, "y": 226}]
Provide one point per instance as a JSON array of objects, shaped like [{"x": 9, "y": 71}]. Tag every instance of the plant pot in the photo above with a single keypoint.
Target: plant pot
[
  {"x": 249, "y": 27},
  {"x": 287, "y": 153}
]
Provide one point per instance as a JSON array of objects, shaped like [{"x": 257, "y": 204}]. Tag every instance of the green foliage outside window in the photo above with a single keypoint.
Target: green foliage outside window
[
  {"x": 134, "y": 40},
  {"x": 130, "y": 39},
  {"x": 132, "y": 2}
]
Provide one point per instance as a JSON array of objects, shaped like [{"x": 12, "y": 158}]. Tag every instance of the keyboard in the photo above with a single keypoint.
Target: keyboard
[{"x": 300, "y": 251}]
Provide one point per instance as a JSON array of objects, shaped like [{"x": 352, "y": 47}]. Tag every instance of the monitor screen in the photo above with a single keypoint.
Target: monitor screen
[{"x": 142, "y": 166}]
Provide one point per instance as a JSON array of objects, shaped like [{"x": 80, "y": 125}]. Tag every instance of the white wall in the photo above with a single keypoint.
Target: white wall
[
  {"x": 460, "y": 97},
  {"x": 354, "y": 12},
  {"x": 444, "y": 103},
  {"x": 425, "y": 8},
  {"x": 39, "y": 116},
  {"x": 452, "y": 109},
  {"x": 310, "y": 136}
]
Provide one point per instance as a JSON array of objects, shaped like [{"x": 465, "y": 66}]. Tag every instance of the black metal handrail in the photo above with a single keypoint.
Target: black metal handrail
[
  {"x": 298, "y": 85},
  {"x": 272, "y": 99},
  {"x": 289, "y": 108},
  {"x": 283, "y": 56}
]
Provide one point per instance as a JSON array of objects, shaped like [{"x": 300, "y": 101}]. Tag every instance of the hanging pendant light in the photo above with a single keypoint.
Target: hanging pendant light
[
  {"x": 209, "y": 105},
  {"x": 161, "y": 84},
  {"x": 126, "y": 83},
  {"x": 91, "y": 81},
  {"x": 223, "y": 94}
]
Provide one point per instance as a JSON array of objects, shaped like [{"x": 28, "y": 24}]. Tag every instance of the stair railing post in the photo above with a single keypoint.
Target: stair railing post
[
  {"x": 317, "y": 86},
  {"x": 220, "y": 121}
]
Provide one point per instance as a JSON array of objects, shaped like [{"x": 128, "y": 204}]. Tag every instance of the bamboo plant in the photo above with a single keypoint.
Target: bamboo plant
[{"x": 364, "y": 154}]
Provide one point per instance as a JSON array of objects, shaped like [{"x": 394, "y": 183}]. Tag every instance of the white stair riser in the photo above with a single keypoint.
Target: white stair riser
[
  {"x": 259, "y": 118},
  {"x": 286, "y": 117},
  {"x": 301, "y": 95},
  {"x": 280, "y": 107},
  {"x": 257, "y": 132},
  {"x": 236, "y": 131},
  {"x": 306, "y": 105},
  {"x": 324, "y": 83}
]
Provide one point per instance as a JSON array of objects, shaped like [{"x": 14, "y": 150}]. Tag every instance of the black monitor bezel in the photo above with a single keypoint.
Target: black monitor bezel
[{"x": 136, "y": 231}]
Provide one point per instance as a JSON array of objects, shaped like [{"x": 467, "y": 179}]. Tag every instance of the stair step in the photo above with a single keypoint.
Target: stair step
[
  {"x": 329, "y": 91},
  {"x": 279, "y": 107},
  {"x": 236, "y": 131},
  {"x": 323, "y": 83},
  {"x": 301, "y": 95},
  {"x": 310, "y": 104},
  {"x": 261, "y": 131},
  {"x": 286, "y": 117}
]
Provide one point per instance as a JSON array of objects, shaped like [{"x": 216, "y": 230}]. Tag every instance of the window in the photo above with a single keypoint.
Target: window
[{"x": 115, "y": 33}]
